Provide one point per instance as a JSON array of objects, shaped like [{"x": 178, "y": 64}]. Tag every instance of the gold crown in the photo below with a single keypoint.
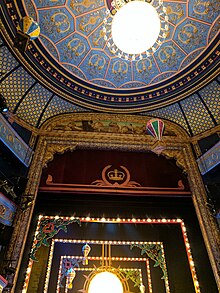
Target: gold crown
[{"x": 116, "y": 175}]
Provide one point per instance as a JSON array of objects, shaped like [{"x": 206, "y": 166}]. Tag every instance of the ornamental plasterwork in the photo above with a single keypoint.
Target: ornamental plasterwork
[{"x": 107, "y": 123}]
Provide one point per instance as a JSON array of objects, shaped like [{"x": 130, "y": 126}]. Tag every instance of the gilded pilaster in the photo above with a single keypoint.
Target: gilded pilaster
[
  {"x": 207, "y": 224},
  {"x": 23, "y": 220}
]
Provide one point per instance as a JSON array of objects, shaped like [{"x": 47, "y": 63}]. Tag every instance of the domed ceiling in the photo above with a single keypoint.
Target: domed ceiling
[
  {"x": 72, "y": 32},
  {"x": 70, "y": 68}
]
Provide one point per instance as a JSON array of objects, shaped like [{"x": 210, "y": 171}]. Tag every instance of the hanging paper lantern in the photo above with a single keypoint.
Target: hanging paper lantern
[
  {"x": 29, "y": 27},
  {"x": 155, "y": 128},
  {"x": 142, "y": 288},
  {"x": 70, "y": 275},
  {"x": 86, "y": 250}
]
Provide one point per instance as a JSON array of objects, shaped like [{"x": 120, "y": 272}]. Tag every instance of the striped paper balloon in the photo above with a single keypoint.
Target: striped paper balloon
[
  {"x": 29, "y": 27},
  {"x": 155, "y": 127}
]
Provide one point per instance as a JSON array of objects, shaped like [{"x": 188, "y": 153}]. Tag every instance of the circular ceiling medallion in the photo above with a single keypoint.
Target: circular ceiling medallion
[
  {"x": 72, "y": 58},
  {"x": 135, "y": 27}
]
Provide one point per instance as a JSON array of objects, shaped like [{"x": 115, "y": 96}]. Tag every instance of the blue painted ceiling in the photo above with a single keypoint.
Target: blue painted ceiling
[{"x": 70, "y": 69}]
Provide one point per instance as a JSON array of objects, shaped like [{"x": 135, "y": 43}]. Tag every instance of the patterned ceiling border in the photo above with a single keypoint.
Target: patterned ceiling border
[{"x": 129, "y": 101}]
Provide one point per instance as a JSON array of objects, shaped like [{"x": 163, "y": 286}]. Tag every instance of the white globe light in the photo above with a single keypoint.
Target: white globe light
[
  {"x": 105, "y": 282},
  {"x": 135, "y": 27}
]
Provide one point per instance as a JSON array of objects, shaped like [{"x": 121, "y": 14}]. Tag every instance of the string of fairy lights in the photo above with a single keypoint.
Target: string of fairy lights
[
  {"x": 98, "y": 258},
  {"x": 112, "y": 242},
  {"x": 89, "y": 269}
]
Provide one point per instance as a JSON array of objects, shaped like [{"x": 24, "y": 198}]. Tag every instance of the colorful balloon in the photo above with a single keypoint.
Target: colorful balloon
[
  {"x": 70, "y": 277},
  {"x": 86, "y": 250},
  {"x": 29, "y": 27},
  {"x": 156, "y": 128}
]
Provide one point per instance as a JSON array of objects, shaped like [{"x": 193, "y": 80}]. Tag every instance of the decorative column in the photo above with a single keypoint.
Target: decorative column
[
  {"x": 207, "y": 223},
  {"x": 23, "y": 217},
  {"x": 185, "y": 159}
]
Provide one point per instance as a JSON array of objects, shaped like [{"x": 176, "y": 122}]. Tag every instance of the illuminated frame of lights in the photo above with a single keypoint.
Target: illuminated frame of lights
[
  {"x": 107, "y": 32},
  {"x": 119, "y": 221},
  {"x": 146, "y": 260},
  {"x": 92, "y": 269}
]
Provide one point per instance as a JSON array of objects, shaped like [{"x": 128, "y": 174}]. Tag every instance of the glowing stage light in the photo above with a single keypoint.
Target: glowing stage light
[{"x": 105, "y": 282}]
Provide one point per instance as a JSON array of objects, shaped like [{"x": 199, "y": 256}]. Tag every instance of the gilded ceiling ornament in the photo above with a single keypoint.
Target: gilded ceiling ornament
[
  {"x": 76, "y": 46},
  {"x": 85, "y": 25},
  {"x": 187, "y": 32},
  {"x": 61, "y": 21},
  {"x": 119, "y": 68},
  {"x": 97, "y": 62},
  {"x": 96, "y": 39},
  {"x": 143, "y": 66},
  {"x": 167, "y": 53},
  {"x": 175, "y": 12}
]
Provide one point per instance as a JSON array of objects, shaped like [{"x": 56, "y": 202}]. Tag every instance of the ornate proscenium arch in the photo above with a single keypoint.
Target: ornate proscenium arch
[{"x": 73, "y": 131}]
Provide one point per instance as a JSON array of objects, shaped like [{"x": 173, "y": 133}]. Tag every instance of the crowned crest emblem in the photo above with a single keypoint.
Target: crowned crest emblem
[{"x": 116, "y": 177}]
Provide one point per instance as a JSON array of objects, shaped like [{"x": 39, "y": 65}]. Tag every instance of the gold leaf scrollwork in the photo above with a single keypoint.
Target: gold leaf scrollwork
[
  {"x": 97, "y": 61},
  {"x": 52, "y": 149},
  {"x": 143, "y": 66},
  {"x": 84, "y": 3},
  {"x": 120, "y": 67},
  {"x": 178, "y": 155},
  {"x": 187, "y": 33},
  {"x": 176, "y": 13},
  {"x": 85, "y": 27},
  {"x": 61, "y": 21},
  {"x": 76, "y": 46},
  {"x": 166, "y": 53},
  {"x": 201, "y": 7}
]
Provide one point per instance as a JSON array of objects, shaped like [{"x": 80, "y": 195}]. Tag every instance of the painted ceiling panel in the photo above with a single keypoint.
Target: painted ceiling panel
[
  {"x": 204, "y": 11},
  {"x": 210, "y": 95},
  {"x": 196, "y": 31},
  {"x": 176, "y": 12},
  {"x": 15, "y": 86},
  {"x": 56, "y": 24},
  {"x": 196, "y": 114},
  {"x": 79, "y": 7},
  {"x": 214, "y": 29},
  {"x": 190, "y": 58},
  {"x": 8, "y": 62},
  {"x": 74, "y": 30},
  {"x": 33, "y": 104},
  {"x": 58, "y": 106},
  {"x": 89, "y": 77},
  {"x": 172, "y": 113}
]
